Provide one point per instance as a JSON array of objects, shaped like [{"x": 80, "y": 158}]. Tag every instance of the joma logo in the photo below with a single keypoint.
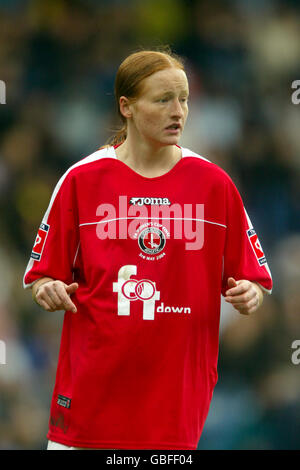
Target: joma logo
[{"x": 147, "y": 201}]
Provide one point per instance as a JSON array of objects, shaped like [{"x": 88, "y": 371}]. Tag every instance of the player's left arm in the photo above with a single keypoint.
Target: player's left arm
[{"x": 245, "y": 296}]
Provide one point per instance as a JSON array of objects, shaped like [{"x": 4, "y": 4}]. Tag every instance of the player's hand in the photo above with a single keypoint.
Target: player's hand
[
  {"x": 245, "y": 296},
  {"x": 55, "y": 295}
]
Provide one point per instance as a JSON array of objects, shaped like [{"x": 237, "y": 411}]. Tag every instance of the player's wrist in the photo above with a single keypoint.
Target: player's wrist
[
  {"x": 39, "y": 283},
  {"x": 259, "y": 293}
]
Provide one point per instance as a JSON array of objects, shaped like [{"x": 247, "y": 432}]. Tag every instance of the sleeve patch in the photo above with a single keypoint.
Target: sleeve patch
[
  {"x": 256, "y": 246},
  {"x": 40, "y": 241}
]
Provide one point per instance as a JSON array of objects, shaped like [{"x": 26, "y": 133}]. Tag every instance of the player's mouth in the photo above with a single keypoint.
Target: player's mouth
[{"x": 174, "y": 128}]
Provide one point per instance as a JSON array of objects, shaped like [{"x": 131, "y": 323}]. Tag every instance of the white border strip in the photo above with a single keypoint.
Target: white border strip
[{"x": 149, "y": 218}]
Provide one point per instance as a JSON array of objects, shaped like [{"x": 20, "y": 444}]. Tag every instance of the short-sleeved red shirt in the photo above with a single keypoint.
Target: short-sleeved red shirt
[{"x": 138, "y": 361}]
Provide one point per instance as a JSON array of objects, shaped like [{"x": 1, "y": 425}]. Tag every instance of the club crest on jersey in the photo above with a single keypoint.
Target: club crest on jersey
[
  {"x": 40, "y": 241},
  {"x": 253, "y": 238},
  {"x": 152, "y": 240},
  {"x": 147, "y": 201}
]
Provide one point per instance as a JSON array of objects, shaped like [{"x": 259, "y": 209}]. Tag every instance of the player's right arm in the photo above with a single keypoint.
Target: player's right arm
[
  {"x": 54, "y": 295},
  {"x": 50, "y": 272}
]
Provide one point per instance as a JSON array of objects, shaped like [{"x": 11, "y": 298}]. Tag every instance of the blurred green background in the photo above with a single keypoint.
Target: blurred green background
[{"x": 58, "y": 59}]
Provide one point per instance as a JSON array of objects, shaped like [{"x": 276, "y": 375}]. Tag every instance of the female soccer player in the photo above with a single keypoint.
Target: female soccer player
[{"x": 138, "y": 243}]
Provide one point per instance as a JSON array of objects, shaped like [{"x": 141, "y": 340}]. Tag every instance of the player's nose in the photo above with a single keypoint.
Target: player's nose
[{"x": 177, "y": 110}]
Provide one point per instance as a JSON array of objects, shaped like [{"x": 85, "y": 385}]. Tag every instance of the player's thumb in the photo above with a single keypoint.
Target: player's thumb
[
  {"x": 72, "y": 288},
  {"x": 231, "y": 282}
]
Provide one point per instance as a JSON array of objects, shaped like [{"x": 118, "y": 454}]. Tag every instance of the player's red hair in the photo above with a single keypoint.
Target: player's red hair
[{"x": 131, "y": 73}]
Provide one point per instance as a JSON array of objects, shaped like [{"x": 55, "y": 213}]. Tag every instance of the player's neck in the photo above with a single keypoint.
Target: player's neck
[{"x": 146, "y": 159}]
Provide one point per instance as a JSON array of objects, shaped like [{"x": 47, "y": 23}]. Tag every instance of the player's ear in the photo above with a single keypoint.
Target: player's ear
[{"x": 125, "y": 107}]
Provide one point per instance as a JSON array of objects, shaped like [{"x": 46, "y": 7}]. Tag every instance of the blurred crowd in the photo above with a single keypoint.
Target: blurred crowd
[{"x": 58, "y": 59}]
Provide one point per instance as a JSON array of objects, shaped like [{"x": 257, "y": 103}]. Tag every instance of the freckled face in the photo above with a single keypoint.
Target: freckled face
[{"x": 160, "y": 112}]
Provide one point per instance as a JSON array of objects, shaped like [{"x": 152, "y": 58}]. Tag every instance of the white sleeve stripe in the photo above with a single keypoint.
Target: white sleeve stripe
[
  {"x": 28, "y": 268},
  {"x": 250, "y": 226},
  {"x": 248, "y": 220},
  {"x": 188, "y": 153},
  {"x": 107, "y": 152},
  {"x": 267, "y": 268},
  {"x": 103, "y": 153}
]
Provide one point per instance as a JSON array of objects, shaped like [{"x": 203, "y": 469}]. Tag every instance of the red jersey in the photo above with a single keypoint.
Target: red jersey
[{"x": 138, "y": 361}]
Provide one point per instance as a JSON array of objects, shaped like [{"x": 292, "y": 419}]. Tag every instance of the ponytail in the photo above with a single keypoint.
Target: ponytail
[{"x": 119, "y": 137}]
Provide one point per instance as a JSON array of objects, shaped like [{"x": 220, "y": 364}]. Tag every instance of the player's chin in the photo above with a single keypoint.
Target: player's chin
[{"x": 170, "y": 140}]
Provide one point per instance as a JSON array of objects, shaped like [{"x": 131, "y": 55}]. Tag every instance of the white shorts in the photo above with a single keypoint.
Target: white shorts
[{"x": 56, "y": 446}]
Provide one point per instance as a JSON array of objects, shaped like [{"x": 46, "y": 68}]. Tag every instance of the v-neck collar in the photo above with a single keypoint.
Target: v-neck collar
[{"x": 154, "y": 178}]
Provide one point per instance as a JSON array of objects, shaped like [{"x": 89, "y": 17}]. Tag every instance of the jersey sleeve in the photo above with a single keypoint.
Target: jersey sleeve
[
  {"x": 243, "y": 254},
  {"x": 57, "y": 239}
]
